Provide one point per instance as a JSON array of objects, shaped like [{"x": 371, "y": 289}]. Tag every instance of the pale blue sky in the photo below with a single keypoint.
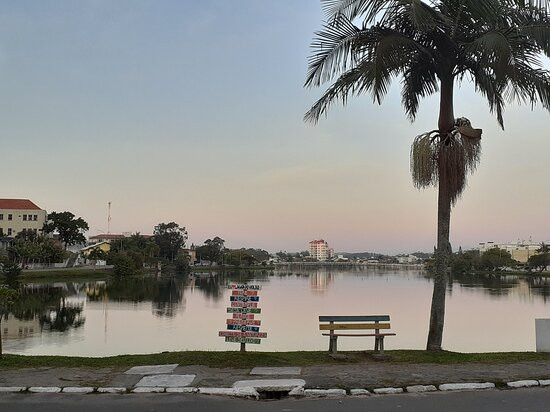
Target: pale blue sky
[{"x": 192, "y": 111}]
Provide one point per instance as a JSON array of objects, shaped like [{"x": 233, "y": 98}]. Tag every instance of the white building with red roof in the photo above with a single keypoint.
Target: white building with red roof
[
  {"x": 318, "y": 249},
  {"x": 17, "y": 215}
]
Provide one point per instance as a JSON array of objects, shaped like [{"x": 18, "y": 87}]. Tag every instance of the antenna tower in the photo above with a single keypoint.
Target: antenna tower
[{"x": 109, "y": 219}]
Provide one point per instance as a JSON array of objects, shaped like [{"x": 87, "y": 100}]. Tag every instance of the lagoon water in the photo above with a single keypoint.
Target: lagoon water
[{"x": 150, "y": 314}]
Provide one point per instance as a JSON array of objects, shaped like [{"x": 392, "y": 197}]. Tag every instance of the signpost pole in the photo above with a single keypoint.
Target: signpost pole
[{"x": 243, "y": 347}]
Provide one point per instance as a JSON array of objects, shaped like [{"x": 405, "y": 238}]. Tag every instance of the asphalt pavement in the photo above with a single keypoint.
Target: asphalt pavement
[{"x": 533, "y": 399}]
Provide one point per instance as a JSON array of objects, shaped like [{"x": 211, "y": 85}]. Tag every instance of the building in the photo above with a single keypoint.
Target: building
[
  {"x": 110, "y": 237},
  {"x": 18, "y": 215},
  {"x": 103, "y": 246},
  {"x": 405, "y": 259},
  {"x": 105, "y": 237},
  {"x": 319, "y": 250},
  {"x": 520, "y": 251}
]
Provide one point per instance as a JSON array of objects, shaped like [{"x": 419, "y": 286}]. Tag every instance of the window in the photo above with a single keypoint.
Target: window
[
  {"x": 35, "y": 231},
  {"x": 1, "y": 232},
  {"x": 10, "y": 217},
  {"x": 1, "y": 216},
  {"x": 35, "y": 218},
  {"x": 9, "y": 232},
  {"x": 24, "y": 217}
]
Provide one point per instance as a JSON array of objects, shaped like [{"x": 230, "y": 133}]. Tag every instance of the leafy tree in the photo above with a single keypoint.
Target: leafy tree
[
  {"x": 543, "y": 248},
  {"x": 170, "y": 238},
  {"x": 238, "y": 257},
  {"x": 70, "y": 228},
  {"x": 181, "y": 263},
  {"x": 10, "y": 269},
  {"x": 432, "y": 46},
  {"x": 35, "y": 249},
  {"x": 212, "y": 250},
  {"x": 496, "y": 258},
  {"x": 7, "y": 298},
  {"x": 466, "y": 262},
  {"x": 539, "y": 261}
]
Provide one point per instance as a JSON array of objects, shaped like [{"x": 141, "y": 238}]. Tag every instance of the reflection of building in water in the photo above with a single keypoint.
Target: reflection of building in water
[
  {"x": 520, "y": 251},
  {"x": 319, "y": 250},
  {"x": 13, "y": 328},
  {"x": 319, "y": 281}
]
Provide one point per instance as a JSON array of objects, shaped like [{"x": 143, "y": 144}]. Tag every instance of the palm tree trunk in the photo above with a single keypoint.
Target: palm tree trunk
[{"x": 443, "y": 251}]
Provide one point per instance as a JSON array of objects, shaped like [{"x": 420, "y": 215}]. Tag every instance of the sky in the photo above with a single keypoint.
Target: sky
[{"x": 192, "y": 112}]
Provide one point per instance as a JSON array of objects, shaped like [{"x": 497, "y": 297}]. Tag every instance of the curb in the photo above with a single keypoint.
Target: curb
[{"x": 298, "y": 392}]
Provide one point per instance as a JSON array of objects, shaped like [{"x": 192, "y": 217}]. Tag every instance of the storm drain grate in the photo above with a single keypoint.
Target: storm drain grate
[{"x": 273, "y": 394}]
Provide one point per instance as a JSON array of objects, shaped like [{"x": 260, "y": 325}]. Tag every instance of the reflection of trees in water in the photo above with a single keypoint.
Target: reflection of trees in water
[
  {"x": 492, "y": 284},
  {"x": 503, "y": 285},
  {"x": 168, "y": 296},
  {"x": 165, "y": 293},
  {"x": 214, "y": 284},
  {"x": 540, "y": 286},
  {"x": 62, "y": 317},
  {"x": 48, "y": 304}
]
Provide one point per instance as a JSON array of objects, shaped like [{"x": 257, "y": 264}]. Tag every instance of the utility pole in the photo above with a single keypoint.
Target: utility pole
[{"x": 109, "y": 218}]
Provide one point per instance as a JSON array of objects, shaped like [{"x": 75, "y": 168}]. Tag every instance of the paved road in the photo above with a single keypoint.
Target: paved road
[{"x": 536, "y": 399}]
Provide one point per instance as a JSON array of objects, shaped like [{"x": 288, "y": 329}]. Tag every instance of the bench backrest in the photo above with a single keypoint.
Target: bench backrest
[{"x": 368, "y": 322}]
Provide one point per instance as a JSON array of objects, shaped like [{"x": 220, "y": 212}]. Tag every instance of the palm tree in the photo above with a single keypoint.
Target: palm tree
[{"x": 431, "y": 46}]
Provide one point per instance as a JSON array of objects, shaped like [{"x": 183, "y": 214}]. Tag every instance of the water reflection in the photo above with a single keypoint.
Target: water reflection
[{"x": 168, "y": 305}]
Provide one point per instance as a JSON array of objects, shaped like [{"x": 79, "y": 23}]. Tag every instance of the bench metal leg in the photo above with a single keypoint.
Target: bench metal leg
[
  {"x": 376, "y": 343},
  {"x": 332, "y": 344},
  {"x": 381, "y": 345}
]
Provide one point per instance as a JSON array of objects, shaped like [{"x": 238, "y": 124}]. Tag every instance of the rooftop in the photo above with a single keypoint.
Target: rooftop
[{"x": 21, "y": 204}]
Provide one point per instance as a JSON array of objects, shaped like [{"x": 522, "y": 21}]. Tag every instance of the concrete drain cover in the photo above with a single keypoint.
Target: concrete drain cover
[
  {"x": 166, "y": 381},
  {"x": 151, "y": 369},
  {"x": 276, "y": 371},
  {"x": 271, "y": 385}
]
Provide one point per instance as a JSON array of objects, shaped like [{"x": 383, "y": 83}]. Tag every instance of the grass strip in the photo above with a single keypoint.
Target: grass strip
[{"x": 252, "y": 359}]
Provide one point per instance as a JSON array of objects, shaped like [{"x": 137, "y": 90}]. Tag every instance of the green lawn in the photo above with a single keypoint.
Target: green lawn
[{"x": 250, "y": 359}]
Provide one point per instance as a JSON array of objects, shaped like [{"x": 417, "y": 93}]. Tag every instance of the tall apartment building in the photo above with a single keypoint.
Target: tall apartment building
[
  {"x": 17, "y": 215},
  {"x": 318, "y": 249}
]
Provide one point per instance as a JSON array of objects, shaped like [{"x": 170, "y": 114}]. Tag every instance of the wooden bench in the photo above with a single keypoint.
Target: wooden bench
[{"x": 367, "y": 323}]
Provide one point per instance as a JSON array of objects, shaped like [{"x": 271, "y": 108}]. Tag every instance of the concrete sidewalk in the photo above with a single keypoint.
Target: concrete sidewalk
[{"x": 347, "y": 376}]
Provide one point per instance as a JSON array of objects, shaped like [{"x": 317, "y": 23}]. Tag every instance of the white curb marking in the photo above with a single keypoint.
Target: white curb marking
[
  {"x": 420, "y": 388},
  {"x": 77, "y": 389},
  {"x": 522, "y": 384},
  {"x": 13, "y": 388},
  {"x": 181, "y": 390},
  {"x": 387, "y": 391},
  {"x": 321, "y": 393},
  {"x": 465, "y": 386},
  {"x": 243, "y": 392},
  {"x": 44, "y": 389},
  {"x": 148, "y": 390},
  {"x": 359, "y": 392},
  {"x": 111, "y": 390}
]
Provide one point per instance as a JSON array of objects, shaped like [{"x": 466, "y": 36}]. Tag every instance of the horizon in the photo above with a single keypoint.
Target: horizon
[{"x": 192, "y": 113}]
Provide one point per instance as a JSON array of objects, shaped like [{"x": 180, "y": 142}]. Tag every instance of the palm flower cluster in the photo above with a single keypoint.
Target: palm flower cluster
[{"x": 450, "y": 157}]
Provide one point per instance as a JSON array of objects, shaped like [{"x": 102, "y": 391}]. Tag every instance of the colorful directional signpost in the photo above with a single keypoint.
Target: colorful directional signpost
[{"x": 243, "y": 328}]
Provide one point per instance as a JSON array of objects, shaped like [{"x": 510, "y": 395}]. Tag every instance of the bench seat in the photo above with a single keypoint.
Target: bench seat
[{"x": 341, "y": 323}]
